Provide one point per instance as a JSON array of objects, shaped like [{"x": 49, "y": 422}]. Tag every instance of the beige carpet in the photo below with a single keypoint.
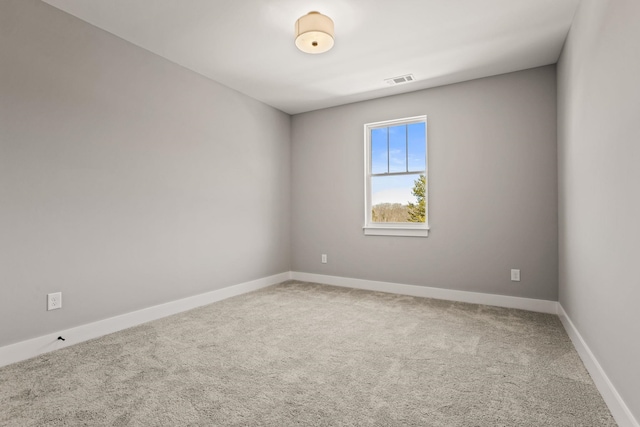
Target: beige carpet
[{"x": 314, "y": 355}]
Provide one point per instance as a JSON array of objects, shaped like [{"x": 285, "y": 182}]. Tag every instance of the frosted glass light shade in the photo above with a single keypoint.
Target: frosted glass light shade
[{"x": 314, "y": 33}]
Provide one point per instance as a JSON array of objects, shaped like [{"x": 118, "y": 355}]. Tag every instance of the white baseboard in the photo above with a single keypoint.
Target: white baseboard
[
  {"x": 541, "y": 306},
  {"x": 30, "y": 348},
  {"x": 617, "y": 406}
]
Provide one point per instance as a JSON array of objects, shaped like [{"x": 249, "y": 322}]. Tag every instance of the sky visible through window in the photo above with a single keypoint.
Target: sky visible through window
[{"x": 389, "y": 155}]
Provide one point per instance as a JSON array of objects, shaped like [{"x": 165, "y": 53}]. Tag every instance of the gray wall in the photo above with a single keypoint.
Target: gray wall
[
  {"x": 492, "y": 189},
  {"x": 599, "y": 175},
  {"x": 126, "y": 180}
]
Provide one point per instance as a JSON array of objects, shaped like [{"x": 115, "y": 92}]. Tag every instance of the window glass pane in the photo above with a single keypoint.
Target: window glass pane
[
  {"x": 379, "y": 151},
  {"x": 417, "y": 146},
  {"x": 398, "y": 148},
  {"x": 393, "y": 199}
]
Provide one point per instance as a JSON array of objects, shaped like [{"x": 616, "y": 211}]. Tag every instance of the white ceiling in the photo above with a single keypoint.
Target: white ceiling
[{"x": 248, "y": 44}]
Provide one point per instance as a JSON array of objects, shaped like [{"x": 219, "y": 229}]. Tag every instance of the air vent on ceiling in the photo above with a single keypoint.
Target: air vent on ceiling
[{"x": 408, "y": 78}]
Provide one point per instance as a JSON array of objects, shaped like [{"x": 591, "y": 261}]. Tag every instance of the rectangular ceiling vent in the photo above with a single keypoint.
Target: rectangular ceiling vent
[{"x": 408, "y": 78}]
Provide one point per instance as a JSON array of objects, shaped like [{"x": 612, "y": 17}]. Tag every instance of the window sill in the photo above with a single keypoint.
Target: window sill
[{"x": 396, "y": 230}]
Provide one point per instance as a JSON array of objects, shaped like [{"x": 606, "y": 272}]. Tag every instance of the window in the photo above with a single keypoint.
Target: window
[{"x": 396, "y": 177}]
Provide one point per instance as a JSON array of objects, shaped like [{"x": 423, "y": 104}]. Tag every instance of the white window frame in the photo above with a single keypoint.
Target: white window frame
[{"x": 409, "y": 229}]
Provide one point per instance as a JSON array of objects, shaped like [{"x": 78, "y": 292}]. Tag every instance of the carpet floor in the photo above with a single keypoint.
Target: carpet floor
[{"x": 314, "y": 355}]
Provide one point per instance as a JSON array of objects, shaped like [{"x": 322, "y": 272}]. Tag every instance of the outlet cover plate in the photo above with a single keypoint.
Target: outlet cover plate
[
  {"x": 515, "y": 275},
  {"x": 54, "y": 301}
]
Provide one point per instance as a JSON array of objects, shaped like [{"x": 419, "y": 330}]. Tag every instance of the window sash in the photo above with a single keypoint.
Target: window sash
[
  {"x": 392, "y": 144},
  {"x": 399, "y": 173}
]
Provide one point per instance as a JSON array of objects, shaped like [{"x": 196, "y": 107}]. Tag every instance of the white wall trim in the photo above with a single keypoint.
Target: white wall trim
[
  {"x": 541, "y": 306},
  {"x": 382, "y": 230},
  {"x": 612, "y": 398},
  {"x": 33, "y": 347},
  {"x": 617, "y": 406},
  {"x": 30, "y": 348}
]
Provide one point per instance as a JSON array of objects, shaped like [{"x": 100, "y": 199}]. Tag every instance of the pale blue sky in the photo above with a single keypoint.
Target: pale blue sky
[{"x": 396, "y": 188}]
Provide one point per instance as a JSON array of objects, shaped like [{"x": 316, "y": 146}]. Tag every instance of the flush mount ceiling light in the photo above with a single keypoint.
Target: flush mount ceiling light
[{"x": 314, "y": 33}]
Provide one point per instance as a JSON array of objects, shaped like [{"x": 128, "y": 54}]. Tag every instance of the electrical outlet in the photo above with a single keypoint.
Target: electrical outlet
[
  {"x": 54, "y": 301},
  {"x": 515, "y": 275},
  {"x": 324, "y": 258}
]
